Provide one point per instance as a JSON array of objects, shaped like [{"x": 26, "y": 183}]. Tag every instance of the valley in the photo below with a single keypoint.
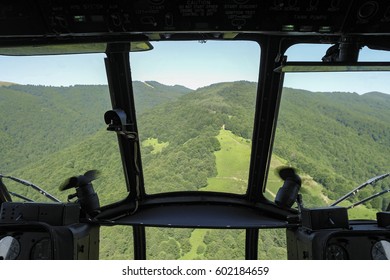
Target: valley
[{"x": 195, "y": 141}]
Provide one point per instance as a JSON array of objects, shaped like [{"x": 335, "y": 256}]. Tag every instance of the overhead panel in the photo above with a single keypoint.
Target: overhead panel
[{"x": 53, "y": 18}]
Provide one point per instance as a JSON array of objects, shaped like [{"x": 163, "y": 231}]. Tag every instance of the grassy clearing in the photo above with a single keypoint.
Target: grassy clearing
[
  {"x": 153, "y": 142},
  {"x": 233, "y": 169},
  {"x": 196, "y": 240},
  {"x": 232, "y": 164},
  {"x": 5, "y": 84}
]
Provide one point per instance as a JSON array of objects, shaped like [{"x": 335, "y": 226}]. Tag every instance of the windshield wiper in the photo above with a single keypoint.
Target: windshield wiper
[
  {"x": 21, "y": 196},
  {"x": 368, "y": 198},
  {"x": 356, "y": 190},
  {"x": 29, "y": 184}
]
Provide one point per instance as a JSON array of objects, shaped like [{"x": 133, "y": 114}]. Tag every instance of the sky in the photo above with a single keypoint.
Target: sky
[{"x": 194, "y": 65}]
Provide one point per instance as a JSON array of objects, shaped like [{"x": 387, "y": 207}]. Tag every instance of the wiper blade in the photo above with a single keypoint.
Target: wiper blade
[
  {"x": 377, "y": 178},
  {"x": 20, "y": 196},
  {"x": 356, "y": 190},
  {"x": 368, "y": 198},
  {"x": 29, "y": 184}
]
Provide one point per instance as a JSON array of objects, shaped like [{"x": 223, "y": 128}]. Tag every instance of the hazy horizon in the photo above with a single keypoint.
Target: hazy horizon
[
  {"x": 7, "y": 83},
  {"x": 193, "y": 65}
]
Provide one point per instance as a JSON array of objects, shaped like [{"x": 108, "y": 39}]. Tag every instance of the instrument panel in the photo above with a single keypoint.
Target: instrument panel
[
  {"x": 25, "y": 246},
  {"x": 41, "y": 241},
  {"x": 46, "y": 231},
  {"x": 362, "y": 241},
  {"x": 344, "y": 247}
]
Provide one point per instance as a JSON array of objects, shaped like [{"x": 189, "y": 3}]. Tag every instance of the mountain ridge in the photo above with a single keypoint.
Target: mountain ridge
[{"x": 5, "y": 84}]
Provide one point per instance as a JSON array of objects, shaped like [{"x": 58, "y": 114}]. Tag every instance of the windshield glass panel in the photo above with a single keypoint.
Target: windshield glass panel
[
  {"x": 195, "y": 111},
  {"x": 334, "y": 128},
  {"x": 52, "y": 126}
]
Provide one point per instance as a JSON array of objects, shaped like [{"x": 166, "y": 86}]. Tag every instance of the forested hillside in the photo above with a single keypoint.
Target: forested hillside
[
  {"x": 194, "y": 140},
  {"x": 341, "y": 139},
  {"x": 189, "y": 127},
  {"x": 40, "y": 120},
  {"x": 151, "y": 93}
]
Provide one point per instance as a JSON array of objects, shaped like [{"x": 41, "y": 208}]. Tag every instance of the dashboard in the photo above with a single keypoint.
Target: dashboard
[
  {"x": 45, "y": 231},
  {"x": 360, "y": 240}
]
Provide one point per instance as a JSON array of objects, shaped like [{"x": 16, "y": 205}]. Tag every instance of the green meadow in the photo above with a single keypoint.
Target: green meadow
[{"x": 232, "y": 162}]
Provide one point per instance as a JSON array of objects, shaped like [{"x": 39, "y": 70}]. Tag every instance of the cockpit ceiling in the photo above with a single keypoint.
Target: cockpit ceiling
[{"x": 57, "y": 18}]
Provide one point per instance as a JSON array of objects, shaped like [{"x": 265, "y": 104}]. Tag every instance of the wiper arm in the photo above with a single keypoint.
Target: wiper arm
[
  {"x": 368, "y": 198},
  {"x": 20, "y": 196},
  {"x": 356, "y": 190},
  {"x": 29, "y": 184},
  {"x": 377, "y": 178}
]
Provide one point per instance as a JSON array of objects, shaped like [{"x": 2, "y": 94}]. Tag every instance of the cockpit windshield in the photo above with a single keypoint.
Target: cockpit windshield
[
  {"x": 195, "y": 105},
  {"x": 195, "y": 110},
  {"x": 52, "y": 128},
  {"x": 334, "y": 127}
]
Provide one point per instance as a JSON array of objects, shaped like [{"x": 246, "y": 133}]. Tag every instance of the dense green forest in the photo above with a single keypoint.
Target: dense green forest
[
  {"x": 345, "y": 142},
  {"x": 195, "y": 140},
  {"x": 40, "y": 120}
]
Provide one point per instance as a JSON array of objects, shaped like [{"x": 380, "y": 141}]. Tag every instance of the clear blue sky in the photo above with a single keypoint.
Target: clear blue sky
[
  {"x": 359, "y": 82},
  {"x": 193, "y": 65}
]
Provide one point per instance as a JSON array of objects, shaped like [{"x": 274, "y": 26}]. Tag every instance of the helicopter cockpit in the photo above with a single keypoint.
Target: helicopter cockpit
[{"x": 172, "y": 129}]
